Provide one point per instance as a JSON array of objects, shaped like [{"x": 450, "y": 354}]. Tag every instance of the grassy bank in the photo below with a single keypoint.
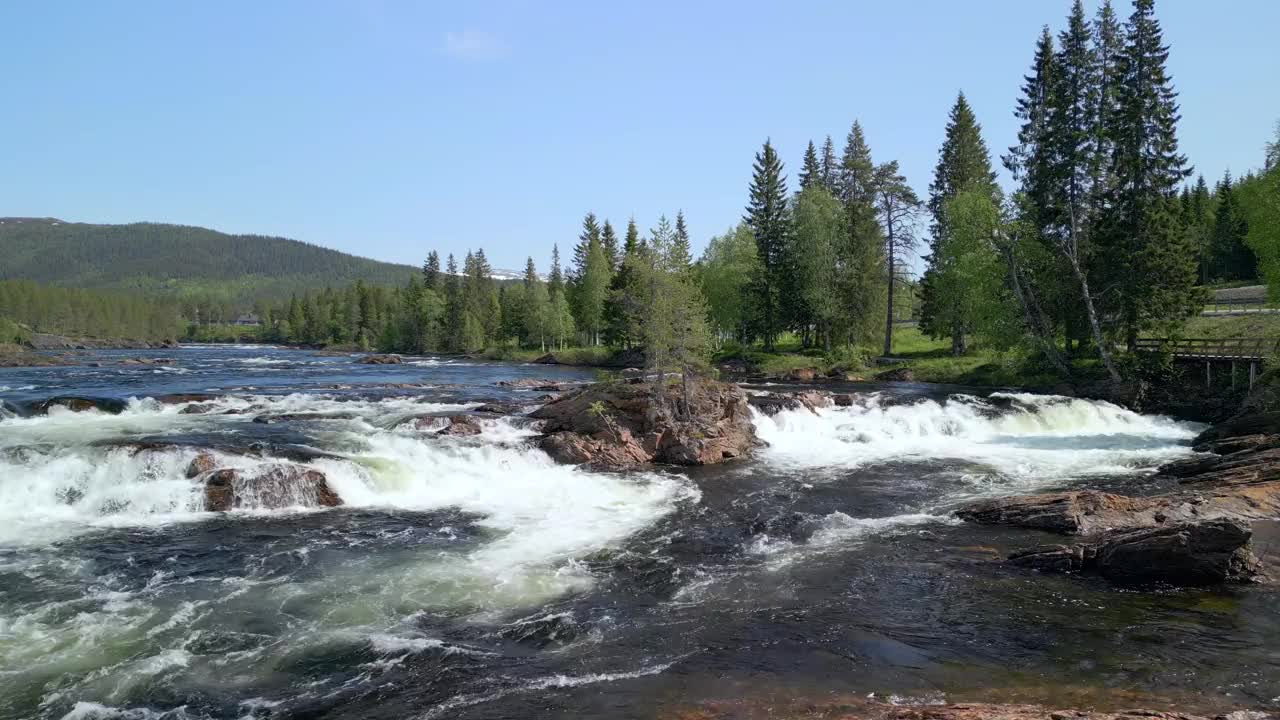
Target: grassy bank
[
  {"x": 927, "y": 359},
  {"x": 585, "y": 356}
]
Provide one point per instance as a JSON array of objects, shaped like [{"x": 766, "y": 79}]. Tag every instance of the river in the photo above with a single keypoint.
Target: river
[{"x": 472, "y": 577}]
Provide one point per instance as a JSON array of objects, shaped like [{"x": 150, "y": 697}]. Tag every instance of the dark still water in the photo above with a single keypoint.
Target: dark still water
[{"x": 471, "y": 577}]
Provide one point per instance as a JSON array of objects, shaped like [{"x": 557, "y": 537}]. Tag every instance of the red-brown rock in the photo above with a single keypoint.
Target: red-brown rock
[
  {"x": 623, "y": 424},
  {"x": 268, "y": 488}
]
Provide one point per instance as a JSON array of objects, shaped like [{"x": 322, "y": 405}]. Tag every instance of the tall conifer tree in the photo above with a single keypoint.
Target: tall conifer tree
[
  {"x": 769, "y": 217},
  {"x": 1149, "y": 262},
  {"x": 964, "y": 165},
  {"x": 810, "y": 171}
]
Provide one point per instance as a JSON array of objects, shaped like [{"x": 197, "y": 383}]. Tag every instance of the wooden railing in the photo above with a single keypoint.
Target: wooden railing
[
  {"x": 1248, "y": 349},
  {"x": 1238, "y": 305}
]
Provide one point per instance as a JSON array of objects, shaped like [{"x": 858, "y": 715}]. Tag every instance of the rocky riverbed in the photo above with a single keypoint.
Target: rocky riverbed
[{"x": 447, "y": 538}]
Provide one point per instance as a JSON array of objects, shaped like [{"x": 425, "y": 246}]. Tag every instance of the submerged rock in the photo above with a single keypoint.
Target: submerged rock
[
  {"x": 1185, "y": 554},
  {"x": 462, "y": 425},
  {"x": 773, "y": 403},
  {"x": 80, "y": 404},
  {"x": 623, "y": 424},
  {"x": 269, "y": 488}
]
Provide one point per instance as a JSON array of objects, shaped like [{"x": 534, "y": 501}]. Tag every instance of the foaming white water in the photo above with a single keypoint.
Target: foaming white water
[
  {"x": 1027, "y": 439},
  {"x": 836, "y": 531}
]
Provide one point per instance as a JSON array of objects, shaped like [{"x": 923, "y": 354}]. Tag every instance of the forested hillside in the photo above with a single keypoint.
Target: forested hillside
[{"x": 183, "y": 259}]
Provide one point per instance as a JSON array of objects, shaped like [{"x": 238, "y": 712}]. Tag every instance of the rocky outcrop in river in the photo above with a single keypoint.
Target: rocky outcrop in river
[
  {"x": 614, "y": 425},
  {"x": 1196, "y": 535}
]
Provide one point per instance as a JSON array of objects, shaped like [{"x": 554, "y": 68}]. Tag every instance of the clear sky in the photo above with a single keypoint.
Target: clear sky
[{"x": 390, "y": 128}]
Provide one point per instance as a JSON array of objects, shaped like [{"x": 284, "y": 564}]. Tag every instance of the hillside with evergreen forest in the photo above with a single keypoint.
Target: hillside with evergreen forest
[{"x": 177, "y": 258}]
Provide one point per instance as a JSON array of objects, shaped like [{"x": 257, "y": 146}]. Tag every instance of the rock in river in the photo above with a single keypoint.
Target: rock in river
[
  {"x": 380, "y": 360},
  {"x": 1186, "y": 554},
  {"x": 623, "y": 424},
  {"x": 267, "y": 488}
]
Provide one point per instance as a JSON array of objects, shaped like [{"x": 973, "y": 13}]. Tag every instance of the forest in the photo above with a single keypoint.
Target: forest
[
  {"x": 1103, "y": 238},
  {"x": 215, "y": 275}
]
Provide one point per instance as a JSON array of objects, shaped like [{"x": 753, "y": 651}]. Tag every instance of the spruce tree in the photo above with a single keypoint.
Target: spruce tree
[
  {"x": 830, "y": 167},
  {"x": 1148, "y": 261},
  {"x": 431, "y": 271},
  {"x": 555, "y": 279},
  {"x": 964, "y": 165},
  {"x": 536, "y": 320},
  {"x": 860, "y": 258},
  {"x": 1198, "y": 221},
  {"x": 810, "y": 172},
  {"x": 769, "y": 218},
  {"x": 454, "y": 310},
  {"x": 622, "y": 308},
  {"x": 1233, "y": 260},
  {"x": 590, "y": 233},
  {"x": 1108, "y": 47},
  {"x": 681, "y": 255},
  {"x": 609, "y": 241}
]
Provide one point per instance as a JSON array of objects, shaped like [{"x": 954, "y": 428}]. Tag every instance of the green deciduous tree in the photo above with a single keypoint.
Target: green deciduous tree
[{"x": 964, "y": 165}]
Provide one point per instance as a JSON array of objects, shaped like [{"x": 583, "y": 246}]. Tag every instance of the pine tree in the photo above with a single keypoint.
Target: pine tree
[
  {"x": 609, "y": 241},
  {"x": 898, "y": 207},
  {"x": 769, "y": 218},
  {"x": 810, "y": 172},
  {"x": 1150, "y": 264},
  {"x": 964, "y": 165}
]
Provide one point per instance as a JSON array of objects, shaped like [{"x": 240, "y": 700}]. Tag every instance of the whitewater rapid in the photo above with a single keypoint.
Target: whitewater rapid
[{"x": 479, "y": 530}]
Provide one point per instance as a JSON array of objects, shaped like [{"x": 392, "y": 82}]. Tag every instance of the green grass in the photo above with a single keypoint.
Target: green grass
[
  {"x": 588, "y": 356},
  {"x": 1257, "y": 325}
]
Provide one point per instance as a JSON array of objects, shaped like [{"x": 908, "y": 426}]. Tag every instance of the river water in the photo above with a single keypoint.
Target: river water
[{"x": 472, "y": 577}]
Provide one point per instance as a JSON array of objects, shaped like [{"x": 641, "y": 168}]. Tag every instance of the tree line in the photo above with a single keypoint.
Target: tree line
[
  {"x": 27, "y": 307},
  {"x": 1101, "y": 239}
]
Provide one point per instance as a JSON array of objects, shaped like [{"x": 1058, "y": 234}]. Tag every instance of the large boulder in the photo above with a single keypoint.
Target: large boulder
[
  {"x": 267, "y": 488},
  {"x": 1185, "y": 554},
  {"x": 1261, "y": 423},
  {"x": 1088, "y": 512},
  {"x": 623, "y": 424},
  {"x": 380, "y": 360}
]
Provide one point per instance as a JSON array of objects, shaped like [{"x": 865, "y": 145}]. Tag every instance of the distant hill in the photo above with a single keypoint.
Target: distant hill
[{"x": 153, "y": 256}]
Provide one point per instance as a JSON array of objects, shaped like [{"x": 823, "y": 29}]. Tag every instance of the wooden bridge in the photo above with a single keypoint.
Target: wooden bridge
[{"x": 1211, "y": 351}]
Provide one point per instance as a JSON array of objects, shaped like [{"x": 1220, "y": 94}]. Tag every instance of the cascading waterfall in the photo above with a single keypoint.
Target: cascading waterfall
[{"x": 1025, "y": 438}]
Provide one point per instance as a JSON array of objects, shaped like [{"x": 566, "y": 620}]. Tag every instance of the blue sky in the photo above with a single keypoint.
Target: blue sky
[{"x": 390, "y": 128}]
